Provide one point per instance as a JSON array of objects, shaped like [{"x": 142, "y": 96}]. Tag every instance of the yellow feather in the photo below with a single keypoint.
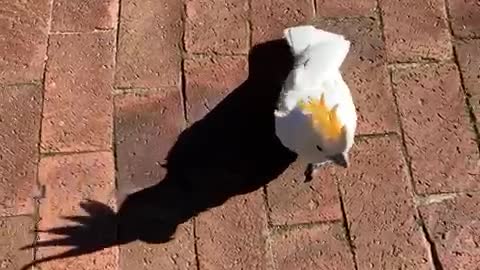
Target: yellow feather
[{"x": 324, "y": 120}]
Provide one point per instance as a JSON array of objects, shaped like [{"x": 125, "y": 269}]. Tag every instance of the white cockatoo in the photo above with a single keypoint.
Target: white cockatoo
[{"x": 315, "y": 115}]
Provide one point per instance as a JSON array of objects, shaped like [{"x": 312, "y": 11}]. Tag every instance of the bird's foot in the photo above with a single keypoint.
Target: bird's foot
[{"x": 311, "y": 169}]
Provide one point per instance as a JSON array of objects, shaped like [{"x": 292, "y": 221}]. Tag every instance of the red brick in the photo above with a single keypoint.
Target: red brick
[
  {"x": 216, "y": 26},
  {"x": 178, "y": 254},
  {"x": 319, "y": 247},
  {"x": 431, "y": 99},
  {"x": 454, "y": 226},
  {"x": 327, "y": 8},
  {"x": 70, "y": 180},
  {"x": 23, "y": 39},
  {"x": 292, "y": 201},
  {"x": 270, "y": 18},
  {"x": 465, "y": 18},
  {"x": 149, "y": 52},
  {"x": 468, "y": 53},
  {"x": 415, "y": 30},
  {"x": 90, "y": 15},
  {"x": 366, "y": 73},
  {"x": 231, "y": 236},
  {"x": 15, "y": 232},
  {"x": 78, "y": 93},
  {"x": 379, "y": 207},
  {"x": 146, "y": 127},
  {"x": 20, "y": 114},
  {"x": 475, "y": 103},
  {"x": 209, "y": 80}
]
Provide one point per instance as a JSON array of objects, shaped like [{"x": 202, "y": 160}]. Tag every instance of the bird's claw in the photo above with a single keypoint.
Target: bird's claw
[{"x": 310, "y": 170}]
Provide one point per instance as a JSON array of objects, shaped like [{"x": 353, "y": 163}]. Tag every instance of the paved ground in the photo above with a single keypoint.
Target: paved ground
[{"x": 93, "y": 95}]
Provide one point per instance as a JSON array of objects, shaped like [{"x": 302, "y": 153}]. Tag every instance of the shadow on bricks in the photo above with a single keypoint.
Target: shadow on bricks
[{"x": 233, "y": 150}]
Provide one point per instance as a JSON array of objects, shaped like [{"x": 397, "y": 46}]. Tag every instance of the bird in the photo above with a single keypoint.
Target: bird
[{"x": 315, "y": 115}]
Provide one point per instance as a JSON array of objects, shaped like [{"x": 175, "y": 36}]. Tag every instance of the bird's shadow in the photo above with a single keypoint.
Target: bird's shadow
[{"x": 233, "y": 150}]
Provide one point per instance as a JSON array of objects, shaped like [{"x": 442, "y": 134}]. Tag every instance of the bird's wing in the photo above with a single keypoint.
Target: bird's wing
[
  {"x": 318, "y": 54},
  {"x": 301, "y": 37},
  {"x": 317, "y": 50}
]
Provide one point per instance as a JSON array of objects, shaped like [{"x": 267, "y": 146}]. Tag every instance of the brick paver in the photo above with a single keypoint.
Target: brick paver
[
  {"x": 209, "y": 80},
  {"x": 149, "y": 45},
  {"x": 178, "y": 254},
  {"x": 149, "y": 124},
  {"x": 465, "y": 19},
  {"x": 146, "y": 127},
  {"x": 20, "y": 109},
  {"x": 15, "y": 232},
  {"x": 415, "y": 30},
  {"x": 454, "y": 226},
  {"x": 68, "y": 181},
  {"x": 430, "y": 98},
  {"x": 23, "y": 40},
  {"x": 230, "y": 34},
  {"x": 90, "y": 15},
  {"x": 218, "y": 248},
  {"x": 467, "y": 50},
  {"x": 77, "y": 114},
  {"x": 380, "y": 209},
  {"x": 321, "y": 247},
  {"x": 327, "y": 8},
  {"x": 272, "y": 16},
  {"x": 293, "y": 202}
]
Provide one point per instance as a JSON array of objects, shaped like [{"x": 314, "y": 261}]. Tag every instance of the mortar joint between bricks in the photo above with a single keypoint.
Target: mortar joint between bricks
[{"x": 41, "y": 188}]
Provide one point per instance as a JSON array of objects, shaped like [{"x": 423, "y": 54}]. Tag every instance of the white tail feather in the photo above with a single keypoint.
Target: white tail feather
[{"x": 301, "y": 37}]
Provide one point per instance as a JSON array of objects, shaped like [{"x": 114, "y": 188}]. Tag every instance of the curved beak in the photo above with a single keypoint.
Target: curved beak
[{"x": 341, "y": 160}]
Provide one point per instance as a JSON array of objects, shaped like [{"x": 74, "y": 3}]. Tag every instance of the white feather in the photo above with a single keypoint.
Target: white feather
[{"x": 318, "y": 57}]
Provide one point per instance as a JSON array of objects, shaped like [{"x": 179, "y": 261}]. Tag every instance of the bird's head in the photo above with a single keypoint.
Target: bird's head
[{"x": 332, "y": 138}]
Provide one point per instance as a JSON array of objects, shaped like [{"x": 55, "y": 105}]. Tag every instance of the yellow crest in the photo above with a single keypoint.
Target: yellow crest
[{"x": 324, "y": 120}]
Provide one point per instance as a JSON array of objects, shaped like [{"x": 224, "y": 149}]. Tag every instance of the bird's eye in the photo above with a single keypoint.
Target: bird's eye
[{"x": 319, "y": 148}]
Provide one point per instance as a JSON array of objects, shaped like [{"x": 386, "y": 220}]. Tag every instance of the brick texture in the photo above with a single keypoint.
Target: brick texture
[
  {"x": 327, "y": 8},
  {"x": 184, "y": 93},
  {"x": 231, "y": 236},
  {"x": 292, "y": 201},
  {"x": 415, "y": 30},
  {"x": 178, "y": 254},
  {"x": 78, "y": 177},
  {"x": 464, "y": 17},
  {"x": 223, "y": 31},
  {"x": 454, "y": 226},
  {"x": 468, "y": 53},
  {"x": 321, "y": 247},
  {"x": 380, "y": 210},
  {"x": 366, "y": 74},
  {"x": 475, "y": 103},
  {"x": 146, "y": 127},
  {"x": 431, "y": 99},
  {"x": 23, "y": 39},
  {"x": 20, "y": 114},
  {"x": 149, "y": 45},
  {"x": 89, "y": 15},
  {"x": 209, "y": 80},
  {"x": 272, "y": 16},
  {"x": 15, "y": 232},
  {"x": 78, "y": 93}
]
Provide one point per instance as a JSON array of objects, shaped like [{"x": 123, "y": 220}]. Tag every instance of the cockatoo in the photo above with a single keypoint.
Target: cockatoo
[{"x": 316, "y": 116}]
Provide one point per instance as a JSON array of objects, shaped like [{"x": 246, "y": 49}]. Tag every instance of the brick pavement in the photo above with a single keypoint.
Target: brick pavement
[{"x": 96, "y": 96}]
